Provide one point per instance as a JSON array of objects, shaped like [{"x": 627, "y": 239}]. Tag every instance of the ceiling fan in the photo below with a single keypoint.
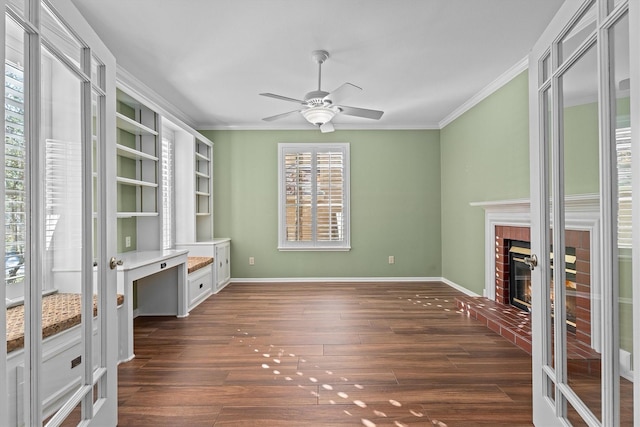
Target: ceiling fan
[{"x": 320, "y": 107}]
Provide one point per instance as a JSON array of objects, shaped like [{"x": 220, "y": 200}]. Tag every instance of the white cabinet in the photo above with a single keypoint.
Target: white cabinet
[
  {"x": 200, "y": 285},
  {"x": 222, "y": 262}
]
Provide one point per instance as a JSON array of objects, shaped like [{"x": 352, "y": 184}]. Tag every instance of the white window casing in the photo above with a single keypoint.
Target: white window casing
[{"x": 313, "y": 197}]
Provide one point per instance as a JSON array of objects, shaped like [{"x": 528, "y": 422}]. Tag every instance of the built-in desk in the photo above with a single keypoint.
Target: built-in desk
[{"x": 161, "y": 288}]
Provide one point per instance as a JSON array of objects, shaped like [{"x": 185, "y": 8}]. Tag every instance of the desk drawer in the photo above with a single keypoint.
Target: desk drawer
[{"x": 200, "y": 282}]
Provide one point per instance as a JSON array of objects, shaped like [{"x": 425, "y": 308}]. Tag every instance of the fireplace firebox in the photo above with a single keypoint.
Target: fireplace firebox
[{"x": 520, "y": 280}]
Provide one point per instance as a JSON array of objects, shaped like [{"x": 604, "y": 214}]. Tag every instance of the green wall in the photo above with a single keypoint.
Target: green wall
[
  {"x": 395, "y": 204},
  {"x": 484, "y": 157}
]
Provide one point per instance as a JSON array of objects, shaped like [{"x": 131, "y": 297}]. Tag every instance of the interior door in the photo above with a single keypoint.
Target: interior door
[
  {"x": 77, "y": 125},
  {"x": 580, "y": 145},
  {"x": 60, "y": 153}
]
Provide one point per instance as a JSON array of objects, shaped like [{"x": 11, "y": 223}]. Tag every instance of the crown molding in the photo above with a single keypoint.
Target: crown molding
[
  {"x": 503, "y": 79},
  {"x": 306, "y": 126},
  {"x": 129, "y": 83}
]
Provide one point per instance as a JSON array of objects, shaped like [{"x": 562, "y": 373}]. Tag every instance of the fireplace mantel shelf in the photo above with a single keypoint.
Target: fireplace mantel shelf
[{"x": 590, "y": 202}]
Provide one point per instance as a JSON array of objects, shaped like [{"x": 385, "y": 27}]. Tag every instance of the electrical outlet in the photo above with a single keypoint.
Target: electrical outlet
[
  {"x": 252, "y": 260},
  {"x": 392, "y": 259},
  {"x": 127, "y": 241}
]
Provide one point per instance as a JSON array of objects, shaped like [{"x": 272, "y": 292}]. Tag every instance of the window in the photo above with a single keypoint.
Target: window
[
  {"x": 313, "y": 191},
  {"x": 14, "y": 181}
]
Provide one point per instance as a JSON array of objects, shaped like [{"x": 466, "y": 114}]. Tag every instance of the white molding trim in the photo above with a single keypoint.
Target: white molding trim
[
  {"x": 458, "y": 287},
  {"x": 502, "y": 80},
  {"x": 484, "y": 93},
  {"x": 355, "y": 280},
  {"x": 582, "y": 213},
  {"x": 307, "y": 126},
  {"x": 625, "y": 365},
  {"x": 129, "y": 83},
  {"x": 236, "y": 280}
]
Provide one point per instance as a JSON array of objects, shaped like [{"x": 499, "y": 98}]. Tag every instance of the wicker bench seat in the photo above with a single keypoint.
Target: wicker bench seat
[
  {"x": 60, "y": 311},
  {"x": 197, "y": 262}
]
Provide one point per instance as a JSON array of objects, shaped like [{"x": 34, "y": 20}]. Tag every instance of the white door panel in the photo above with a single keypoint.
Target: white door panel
[{"x": 580, "y": 127}]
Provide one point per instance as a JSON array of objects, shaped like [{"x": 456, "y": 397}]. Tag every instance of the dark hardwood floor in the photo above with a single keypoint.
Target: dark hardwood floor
[{"x": 324, "y": 354}]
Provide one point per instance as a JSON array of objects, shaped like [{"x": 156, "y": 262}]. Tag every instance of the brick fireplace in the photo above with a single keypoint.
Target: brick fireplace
[
  {"x": 579, "y": 240},
  {"x": 509, "y": 220}
]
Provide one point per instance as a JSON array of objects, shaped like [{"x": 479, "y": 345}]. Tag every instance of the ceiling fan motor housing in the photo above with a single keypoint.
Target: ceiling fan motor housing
[{"x": 316, "y": 97}]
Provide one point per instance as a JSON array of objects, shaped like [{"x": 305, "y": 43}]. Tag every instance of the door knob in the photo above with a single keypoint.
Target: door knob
[
  {"x": 113, "y": 263},
  {"x": 531, "y": 261}
]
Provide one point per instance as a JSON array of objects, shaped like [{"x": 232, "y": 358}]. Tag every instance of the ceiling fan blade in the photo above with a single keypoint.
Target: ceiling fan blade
[
  {"x": 327, "y": 127},
  {"x": 283, "y": 98},
  {"x": 342, "y": 93},
  {"x": 280, "y": 116},
  {"x": 361, "y": 112}
]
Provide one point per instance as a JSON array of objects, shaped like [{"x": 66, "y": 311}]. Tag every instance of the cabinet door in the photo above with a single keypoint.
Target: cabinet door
[{"x": 223, "y": 264}]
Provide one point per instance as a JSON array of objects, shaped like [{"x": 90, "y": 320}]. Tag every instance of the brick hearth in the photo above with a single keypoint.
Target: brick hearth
[{"x": 515, "y": 325}]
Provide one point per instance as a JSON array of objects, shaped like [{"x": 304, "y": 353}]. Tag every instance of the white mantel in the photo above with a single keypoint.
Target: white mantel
[{"x": 583, "y": 213}]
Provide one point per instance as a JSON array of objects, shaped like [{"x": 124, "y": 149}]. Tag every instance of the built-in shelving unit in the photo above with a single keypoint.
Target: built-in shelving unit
[
  {"x": 203, "y": 186},
  {"x": 194, "y": 189},
  {"x": 138, "y": 174}
]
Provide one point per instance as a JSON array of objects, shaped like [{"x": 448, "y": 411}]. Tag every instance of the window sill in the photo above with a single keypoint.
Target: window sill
[{"x": 314, "y": 249}]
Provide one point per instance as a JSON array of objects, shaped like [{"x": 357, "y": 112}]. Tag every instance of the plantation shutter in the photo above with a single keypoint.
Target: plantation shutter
[
  {"x": 168, "y": 138},
  {"x": 623, "y": 148},
  {"x": 330, "y": 195},
  {"x": 313, "y": 196}
]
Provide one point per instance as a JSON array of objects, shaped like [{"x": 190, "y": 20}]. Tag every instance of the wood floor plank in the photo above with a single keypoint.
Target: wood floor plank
[
  {"x": 322, "y": 415},
  {"x": 324, "y": 354}
]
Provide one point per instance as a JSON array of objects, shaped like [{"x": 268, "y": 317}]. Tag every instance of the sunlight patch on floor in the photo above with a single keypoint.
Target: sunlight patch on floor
[{"x": 421, "y": 300}]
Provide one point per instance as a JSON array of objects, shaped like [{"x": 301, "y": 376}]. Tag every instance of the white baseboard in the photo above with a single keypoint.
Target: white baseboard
[
  {"x": 354, "y": 280},
  {"x": 459, "y": 288},
  {"x": 626, "y": 370},
  {"x": 335, "y": 279}
]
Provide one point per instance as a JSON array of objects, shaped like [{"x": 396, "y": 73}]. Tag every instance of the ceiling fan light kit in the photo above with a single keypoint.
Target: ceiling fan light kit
[
  {"x": 320, "y": 107},
  {"x": 319, "y": 115}
]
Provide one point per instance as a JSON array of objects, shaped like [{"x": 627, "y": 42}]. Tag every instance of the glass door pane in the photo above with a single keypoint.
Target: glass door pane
[
  {"x": 621, "y": 127},
  {"x": 15, "y": 232},
  {"x": 15, "y": 162},
  {"x": 62, "y": 201},
  {"x": 574, "y": 295}
]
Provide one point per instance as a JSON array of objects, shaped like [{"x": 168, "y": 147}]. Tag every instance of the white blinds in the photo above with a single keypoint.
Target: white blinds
[
  {"x": 314, "y": 196},
  {"x": 63, "y": 199},
  {"x": 168, "y": 138},
  {"x": 623, "y": 148}
]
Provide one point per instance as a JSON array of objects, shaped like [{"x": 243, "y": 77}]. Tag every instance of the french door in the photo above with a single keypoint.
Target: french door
[
  {"x": 59, "y": 223},
  {"x": 584, "y": 117}
]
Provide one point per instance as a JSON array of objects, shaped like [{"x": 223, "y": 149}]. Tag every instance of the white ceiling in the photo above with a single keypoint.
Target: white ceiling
[{"x": 418, "y": 60}]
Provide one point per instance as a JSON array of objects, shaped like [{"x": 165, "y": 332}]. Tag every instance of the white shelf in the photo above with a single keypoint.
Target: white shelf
[
  {"x": 132, "y": 153},
  {"x": 202, "y": 193},
  {"x": 136, "y": 182},
  {"x": 135, "y": 214},
  {"x": 202, "y": 175},
  {"x": 125, "y": 123},
  {"x": 203, "y": 214}
]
